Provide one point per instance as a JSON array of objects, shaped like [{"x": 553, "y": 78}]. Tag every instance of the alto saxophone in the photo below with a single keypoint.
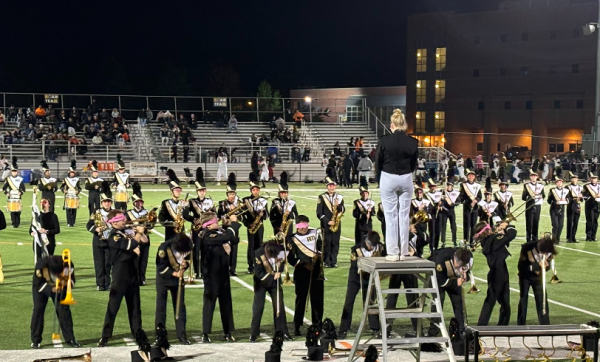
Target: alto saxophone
[
  {"x": 286, "y": 222},
  {"x": 99, "y": 222},
  {"x": 179, "y": 220},
  {"x": 337, "y": 217},
  {"x": 255, "y": 225}
]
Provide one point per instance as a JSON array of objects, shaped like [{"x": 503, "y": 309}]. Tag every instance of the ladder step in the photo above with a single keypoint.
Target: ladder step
[
  {"x": 405, "y": 313},
  {"x": 410, "y": 291},
  {"x": 417, "y": 340}
]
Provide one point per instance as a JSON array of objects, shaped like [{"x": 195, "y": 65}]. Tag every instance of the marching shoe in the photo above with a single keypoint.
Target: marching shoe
[
  {"x": 402, "y": 258},
  {"x": 233, "y": 274},
  {"x": 184, "y": 341},
  {"x": 297, "y": 331},
  {"x": 103, "y": 342},
  {"x": 205, "y": 338},
  {"x": 392, "y": 257},
  {"x": 287, "y": 337},
  {"x": 342, "y": 334},
  {"x": 73, "y": 343},
  {"x": 229, "y": 338},
  {"x": 36, "y": 346},
  {"x": 252, "y": 339}
]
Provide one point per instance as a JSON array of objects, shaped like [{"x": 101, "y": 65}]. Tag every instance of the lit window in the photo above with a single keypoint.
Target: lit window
[
  {"x": 440, "y": 90},
  {"x": 440, "y": 121},
  {"x": 421, "y": 91},
  {"x": 420, "y": 122},
  {"x": 440, "y": 59},
  {"x": 421, "y": 60}
]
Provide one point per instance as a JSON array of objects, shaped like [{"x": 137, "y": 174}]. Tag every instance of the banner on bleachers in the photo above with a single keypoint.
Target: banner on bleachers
[
  {"x": 143, "y": 169},
  {"x": 51, "y": 98},
  {"x": 219, "y": 102},
  {"x": 106, "y": 166}
]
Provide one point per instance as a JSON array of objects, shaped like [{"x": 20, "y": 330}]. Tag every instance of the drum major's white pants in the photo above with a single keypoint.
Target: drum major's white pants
[{"x": 396, "y": 192}]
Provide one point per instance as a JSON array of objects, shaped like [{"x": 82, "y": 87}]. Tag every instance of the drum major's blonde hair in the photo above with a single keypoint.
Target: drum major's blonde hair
[{"x": 398, "y": 120}]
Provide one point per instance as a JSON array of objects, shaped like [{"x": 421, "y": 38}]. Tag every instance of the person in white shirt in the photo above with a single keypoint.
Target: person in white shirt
[
  {"x": 460, "y": 166},
  {"x": 264, "y": 172},
  {"x": 233, "y": 124},
  {"x": 222, "y": 170}
]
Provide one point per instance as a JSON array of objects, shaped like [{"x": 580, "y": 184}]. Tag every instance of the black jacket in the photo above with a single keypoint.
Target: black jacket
[
  {"x": 396, "y": 154},
  {"x": 166, "y": 264},
  {"x": 264, "y": 273},
  {"x": 495, "y": 246}
]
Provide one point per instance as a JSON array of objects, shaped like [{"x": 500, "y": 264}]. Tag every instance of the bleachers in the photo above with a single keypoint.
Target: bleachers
[{"x": 329, "y": 133}]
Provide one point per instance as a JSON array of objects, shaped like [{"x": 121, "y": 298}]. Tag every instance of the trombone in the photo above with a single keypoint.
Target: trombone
[
  {"x": 287, "y": 281},
  {"x": 180, "y": 285}
]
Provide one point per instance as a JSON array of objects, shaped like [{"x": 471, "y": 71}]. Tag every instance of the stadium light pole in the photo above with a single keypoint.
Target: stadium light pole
[{"x": 588, "y": 29}]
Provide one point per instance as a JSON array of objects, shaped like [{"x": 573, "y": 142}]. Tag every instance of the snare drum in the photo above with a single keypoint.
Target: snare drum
[
  {"x": 71, "y": 201},
  {"x": 14, "y": 205},
  {"x": 121, "y": 196}
]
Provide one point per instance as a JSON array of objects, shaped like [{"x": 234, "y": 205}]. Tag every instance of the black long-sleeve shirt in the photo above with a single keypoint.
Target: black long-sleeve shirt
[{"x": 396, "y": 154}]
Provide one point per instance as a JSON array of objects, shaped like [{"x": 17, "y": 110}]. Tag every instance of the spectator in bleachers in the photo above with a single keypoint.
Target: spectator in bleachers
[
  {"x": 85, "y": 118},
  {"x": 164, "y": 136},
  {"x": 174, "y": 149},
  {"x": 11, "y": 113},
  {"x": 337, "y": 150},
  {"x": 30, "y": 133},
  {"x": 115, "y": 113},
  {"x": 149, "y": 114},
  {"x": 160, "y": 116},
  {"x": 120, "y": 140},
  {"x": 280, "y": 124},
  {"x": 104, "y": 115},
  {"x": 254, "y": 163},
  {"x": 253, "y": 140},
  {"x": 97, "y": 139},
  {"x": 233, "y": 124},
  {"x": 142, "y": 118},
  {"x": 20, "y": 117},
  {"x": 2, "y": 121},
  {"x": 295, "y": 154},
  {"x": 298, "y": 117},
  {"x": 93, "y": 108},
  {"x": 182, "y": 120},
  {"x": 40, "y": 113},
  {"x": 193, "y": 121}
]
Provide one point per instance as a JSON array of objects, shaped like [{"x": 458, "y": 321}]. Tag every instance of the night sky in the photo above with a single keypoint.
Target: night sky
[{"x": 201, "y": 47}]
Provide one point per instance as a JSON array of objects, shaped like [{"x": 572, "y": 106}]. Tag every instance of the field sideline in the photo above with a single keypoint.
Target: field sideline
[{"x": 573, "y": 301}]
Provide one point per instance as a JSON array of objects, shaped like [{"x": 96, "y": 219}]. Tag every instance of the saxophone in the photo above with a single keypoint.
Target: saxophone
[
  {"x": 337, "y": 217},
  {"x": 179, "y": 220},
  {"x": 286, "y": 222},
  {"x": 256, "y": 224},
  {"x": 99, "y": 222}
]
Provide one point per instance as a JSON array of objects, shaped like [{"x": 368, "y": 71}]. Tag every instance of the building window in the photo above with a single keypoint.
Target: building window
[
  {"x": 480, "y": 106},
  {"x": 502, "y": 72},
  {"x": 524, "y": 36},
  {"x": 420, "y": 122},
  {"x": 556, "y": 147},
  {"x": 421, "y": 91},
  {"x": 475, "y": 73},
  {"x": 507, "y": 105},
  {"x": 440, "y": 121},
  {"x": 440, "y": 90},
  {"x": 503, "y": 38},
  {"x": 574, "y": 147},
  {"x": 552, "y": 69},
  {"x": 580, "y": 104},
  {"x": 528, "y": 105},
  {"x": 552, "y": 34},
  {"x": 476, "y": 39},
  {"x": 574, "y": 68},
  {"x": 440, "y": 59},
  {"x": 421, "y": 60},
  {"x": 556, "y": 104},
  {"x": 524, "y": 70},
  {"x": 576, "y": 32},
  {"x": 480, "y": 147}
]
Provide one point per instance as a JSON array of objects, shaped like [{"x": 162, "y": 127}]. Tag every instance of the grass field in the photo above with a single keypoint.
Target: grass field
[{"x": 573, "y": 301}]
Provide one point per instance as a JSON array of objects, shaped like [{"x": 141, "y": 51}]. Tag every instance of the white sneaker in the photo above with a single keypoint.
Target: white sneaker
[
  {"x": 402, "y": 258},
  {"x": 391, "y": 257}
]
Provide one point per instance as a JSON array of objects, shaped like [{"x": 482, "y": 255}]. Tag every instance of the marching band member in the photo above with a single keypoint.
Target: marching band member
[
  {"x": 270, "y": 259},
  {"x": 281, "y": 205},
  {"x": 222, "y": 170},
  {"x": 198, "y": 206},
  {"x": 363, "y": 211},
  {"x": 92, "y": 184},
  {"x": 443, "y": 171},
  {"x": 495, "y": 243},
  {"x": 460, "y": 166},
  {"x": 470, "y": 194},
  {"x": 48, "y": 225},
  {"x": 435, "y": 204},
  {"x": 418, "y": 203},
  {"x": 98, "y": 226},
  {"x": 47, "y": 185},
  {"x": 47, "y": 271},
  {"x": 505, "y": 201},
  {"x": 217, "y": 283},
  {"x": 452, "y": 266},
  {"x": 530, "y": 267},
  {"x": 173, "y": 210},
  {"x": 121, "y": 183},
  {"x": 557, "y": 198},
  {"x": 421, "y": 171},
  {"x": 574, "y": 208},
  {"x": 123, "y": 244},
  {"x": 495, "y": 166},
  {"x": 305, "y": 256},
  {"x": 450, "y": 198},
  {"x": 257, "y": 211},
  {"x": 370, "y": 246},
  {"x": 487, "y": 209},
  {"x": 14, "y": 188},
  {"x": 134, "y": 214},
  {"x": 71, "y": 188},
  {"x": 381, "y": 218},
  {"x": 533, "y": 195},
  {"x": 225, "y": 206},
  {"x": 172, "y": 261},
  {"x": 591, "y": 194},
  {"x": 326, "y": 210}
]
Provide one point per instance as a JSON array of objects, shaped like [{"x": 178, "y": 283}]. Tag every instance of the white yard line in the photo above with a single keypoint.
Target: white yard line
[
  {"x": 57, "y": 343},
  {"x": 129, "y": 342},
  {"x": 265, "y": 337}
]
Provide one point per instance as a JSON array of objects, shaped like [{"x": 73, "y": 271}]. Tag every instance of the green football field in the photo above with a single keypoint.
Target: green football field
[{"x": 573, "y": 301}]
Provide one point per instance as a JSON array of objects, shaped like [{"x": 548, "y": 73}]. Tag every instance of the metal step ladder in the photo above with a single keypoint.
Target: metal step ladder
[{"x": 424, "y": 270}]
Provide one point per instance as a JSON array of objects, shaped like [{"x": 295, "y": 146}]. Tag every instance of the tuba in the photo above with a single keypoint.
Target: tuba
[
  {"x": 86, "y": 357},
  {"x": 337, "y": 217}
]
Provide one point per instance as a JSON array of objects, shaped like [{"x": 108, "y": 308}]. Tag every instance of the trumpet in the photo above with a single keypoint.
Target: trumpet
[
  {"x": 147, "y": 221},
  {"x": 86, "y": 357}
]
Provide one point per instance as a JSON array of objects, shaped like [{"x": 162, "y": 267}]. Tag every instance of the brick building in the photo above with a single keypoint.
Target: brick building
[{"x": 520, "y": 75}]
